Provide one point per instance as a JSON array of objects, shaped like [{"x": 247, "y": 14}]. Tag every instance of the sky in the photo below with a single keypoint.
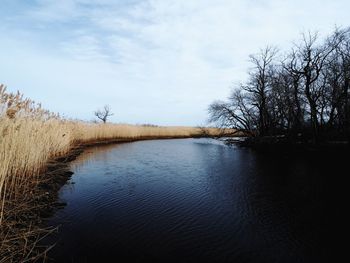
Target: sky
[{"x": 153, "y": 61}]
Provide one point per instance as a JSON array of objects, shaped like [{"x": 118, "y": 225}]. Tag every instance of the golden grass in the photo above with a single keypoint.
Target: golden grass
[{"x": 31, "y": 136}]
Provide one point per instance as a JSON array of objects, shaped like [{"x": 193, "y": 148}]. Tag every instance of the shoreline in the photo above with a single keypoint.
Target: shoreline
[{"x": 281, "y": 144}]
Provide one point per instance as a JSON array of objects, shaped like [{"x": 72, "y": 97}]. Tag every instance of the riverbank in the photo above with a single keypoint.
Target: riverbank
[{"x": 281, "y": 144}]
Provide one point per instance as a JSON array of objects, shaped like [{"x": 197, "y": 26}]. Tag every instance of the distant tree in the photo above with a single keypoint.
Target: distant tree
[{"x": 104, "y": 113}]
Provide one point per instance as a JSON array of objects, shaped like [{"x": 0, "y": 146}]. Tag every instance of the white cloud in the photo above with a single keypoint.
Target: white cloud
[{"x": 156, "y": 61}]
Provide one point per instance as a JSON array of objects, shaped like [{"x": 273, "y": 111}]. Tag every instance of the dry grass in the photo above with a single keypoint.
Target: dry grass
[{"x": 30, "y": 137}]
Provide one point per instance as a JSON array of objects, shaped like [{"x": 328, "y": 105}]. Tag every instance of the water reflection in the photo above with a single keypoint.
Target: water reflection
[{"x": 190, "y": 200}]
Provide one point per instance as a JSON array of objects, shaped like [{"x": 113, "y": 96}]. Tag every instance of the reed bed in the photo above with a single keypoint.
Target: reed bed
[{"x": 31, "y": 136}]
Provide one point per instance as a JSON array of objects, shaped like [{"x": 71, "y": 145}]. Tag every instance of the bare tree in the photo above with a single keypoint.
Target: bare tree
[
  {"x": 304, "y": 96},
  {"x": 337, "y": 76},
  {"x": 104, "y": 113},
  {"x": 237, "y": 114},
  {"x": 312, "y": 59},
  {"x": 260, "y": 83},
  {"x": 292, "y": 81}
]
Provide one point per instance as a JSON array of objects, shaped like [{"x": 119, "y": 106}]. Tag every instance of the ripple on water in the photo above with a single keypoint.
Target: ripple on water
[{"x": 188, "y": 200}]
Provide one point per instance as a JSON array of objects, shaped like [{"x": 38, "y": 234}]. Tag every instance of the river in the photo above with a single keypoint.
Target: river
[{"x": 191, "y": 200}]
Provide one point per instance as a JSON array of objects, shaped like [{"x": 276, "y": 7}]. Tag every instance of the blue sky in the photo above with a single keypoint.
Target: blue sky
[{"x": 156, "y": 61}]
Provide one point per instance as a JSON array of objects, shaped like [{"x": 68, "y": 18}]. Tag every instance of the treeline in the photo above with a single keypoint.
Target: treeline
[{"x": 302, "y": 94}]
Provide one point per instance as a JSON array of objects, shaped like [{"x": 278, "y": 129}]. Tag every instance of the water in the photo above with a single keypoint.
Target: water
[{"x": 192, "y": 200}]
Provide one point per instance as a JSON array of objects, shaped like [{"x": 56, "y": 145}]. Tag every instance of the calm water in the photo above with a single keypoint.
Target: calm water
[{"x": 192, "y": 200}]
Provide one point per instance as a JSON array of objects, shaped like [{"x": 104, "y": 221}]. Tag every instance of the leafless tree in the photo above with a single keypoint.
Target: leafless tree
[
  {"x": 104, "y": 113},
  {"x": 291, "y": 80},
  {"x": 337, "y": 83},
  {"x": 259, "y": 84},
  {"x": 305, "y": 94},
  {"x": 238, "y": 113}
]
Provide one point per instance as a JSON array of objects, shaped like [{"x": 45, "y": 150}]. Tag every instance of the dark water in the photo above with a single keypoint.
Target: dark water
[{"x": 193, "y": 200}]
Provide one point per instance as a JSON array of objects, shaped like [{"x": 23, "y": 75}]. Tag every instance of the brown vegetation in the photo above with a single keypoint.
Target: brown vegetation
[{"x": 31, "y": 138}]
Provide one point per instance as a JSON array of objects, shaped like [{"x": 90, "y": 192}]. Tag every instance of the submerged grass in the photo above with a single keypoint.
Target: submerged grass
[{"x": 30, "y": 138}]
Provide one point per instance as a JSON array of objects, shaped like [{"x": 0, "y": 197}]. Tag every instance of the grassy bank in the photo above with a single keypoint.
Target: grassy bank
[{"x": 30, "y": 139}]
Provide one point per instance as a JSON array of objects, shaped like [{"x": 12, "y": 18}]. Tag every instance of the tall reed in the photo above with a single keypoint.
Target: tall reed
[{"x": 31, "y": 136}]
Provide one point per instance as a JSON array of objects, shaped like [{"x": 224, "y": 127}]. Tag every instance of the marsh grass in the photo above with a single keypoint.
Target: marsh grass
[{"x": 30, "y": 138}]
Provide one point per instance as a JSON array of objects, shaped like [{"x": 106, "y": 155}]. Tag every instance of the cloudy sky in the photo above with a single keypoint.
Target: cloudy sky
[{"x": 152, "y": 61}]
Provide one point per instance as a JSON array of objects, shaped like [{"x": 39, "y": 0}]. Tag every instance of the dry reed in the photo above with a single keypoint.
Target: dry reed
[{"x": 31, "y": 136}]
